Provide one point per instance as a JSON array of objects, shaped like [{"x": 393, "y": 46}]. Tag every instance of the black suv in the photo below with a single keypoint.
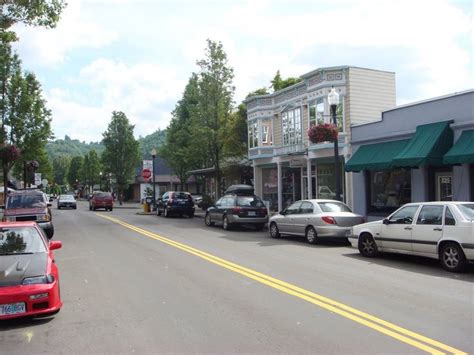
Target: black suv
[
  {"x": 175, "y": 202},
  {"x": 239, "y": 206},
  {"x": 29, "y": 205}
]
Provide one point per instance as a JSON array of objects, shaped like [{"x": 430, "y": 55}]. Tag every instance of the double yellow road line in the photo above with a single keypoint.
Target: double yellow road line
[{"x": 404, "y": 335}]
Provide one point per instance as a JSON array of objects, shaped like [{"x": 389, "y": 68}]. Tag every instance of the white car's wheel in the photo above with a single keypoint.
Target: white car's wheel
[
  {"x": 367, "y": 246},
  {"x": 452, "y": 257},
  {"x": 311, "y": 235}
]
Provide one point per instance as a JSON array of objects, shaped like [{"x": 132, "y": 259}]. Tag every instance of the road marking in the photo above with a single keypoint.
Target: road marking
[{"x": 404, "y": 335}]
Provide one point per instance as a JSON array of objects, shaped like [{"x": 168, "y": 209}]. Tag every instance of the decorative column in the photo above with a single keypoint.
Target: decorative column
[
  {"x": 280, "y": 187},
  {"x": 310, "y": 178}
]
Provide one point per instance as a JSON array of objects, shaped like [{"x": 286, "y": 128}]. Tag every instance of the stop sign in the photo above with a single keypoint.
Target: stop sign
[{"x": 146, "y": 173}]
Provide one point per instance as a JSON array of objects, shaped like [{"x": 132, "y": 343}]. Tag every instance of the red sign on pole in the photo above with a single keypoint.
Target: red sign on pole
[{"x": 146, "y": 173}]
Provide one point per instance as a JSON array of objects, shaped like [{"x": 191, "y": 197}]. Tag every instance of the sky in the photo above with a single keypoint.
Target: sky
[{"x": 137, "y": 56}]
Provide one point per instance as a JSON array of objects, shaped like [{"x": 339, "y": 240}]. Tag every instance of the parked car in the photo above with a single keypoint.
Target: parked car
[
  {"x": 29, "y": 205},
  {"x": 101, "y": 199},
  {"x": 315, "y": 219},
  {"x": 67, "y": 201},
  {"x": 439, "y": 230},
  {"x": 175, "y": 203},
  {"x": 29, "y": 278},
  {"x": 234, "y": 209}
]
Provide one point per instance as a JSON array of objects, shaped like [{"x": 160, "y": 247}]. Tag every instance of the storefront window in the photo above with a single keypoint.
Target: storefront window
[
  {"x": 291, "y": 186},
  {"x": 270, "y": 188},
  {"x": 316, "y": 113},
  {"x": 389, "y": 190},
  {"x": 326, "y": 181}
]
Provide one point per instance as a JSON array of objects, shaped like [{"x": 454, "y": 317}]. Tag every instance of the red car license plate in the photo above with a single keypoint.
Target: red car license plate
[{"x": 12, "y": 308}]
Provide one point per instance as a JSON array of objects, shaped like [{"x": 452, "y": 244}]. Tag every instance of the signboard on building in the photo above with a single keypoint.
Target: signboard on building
[{"x": 37, "y": 179}]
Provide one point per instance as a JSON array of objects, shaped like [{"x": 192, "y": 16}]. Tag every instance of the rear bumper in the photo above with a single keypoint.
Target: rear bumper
[
  {"x": 246, "y": 220},
  {"x": 334, "y": 232},
  {"x": 15, "y": 294},
  {"x": 181, "y": 209}
]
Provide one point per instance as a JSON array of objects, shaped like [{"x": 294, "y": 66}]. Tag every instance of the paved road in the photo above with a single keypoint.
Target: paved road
[{"x": 145, "y": 284}]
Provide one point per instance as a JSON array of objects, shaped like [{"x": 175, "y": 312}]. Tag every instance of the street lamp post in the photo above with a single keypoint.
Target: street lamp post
[
  {"x": 333, "y": 99},
  {"x": 153, "y": 155}
]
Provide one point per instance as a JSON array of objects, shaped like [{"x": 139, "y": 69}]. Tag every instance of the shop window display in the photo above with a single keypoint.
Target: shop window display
[
  {"x": 327, "y": 183},
  {"x": 270, "y": 188},
  {"x": 389, "y": 190}
]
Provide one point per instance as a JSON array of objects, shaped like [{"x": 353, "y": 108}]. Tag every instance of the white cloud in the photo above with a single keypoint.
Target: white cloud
[
  {"x": 50, "y": 46},
  {"x": 431, "y": 43}
]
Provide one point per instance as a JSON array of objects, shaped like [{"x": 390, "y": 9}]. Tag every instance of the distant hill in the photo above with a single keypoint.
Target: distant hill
[
  {"x": 73, "y": 147},
  {"x": 154, "y": 140}
]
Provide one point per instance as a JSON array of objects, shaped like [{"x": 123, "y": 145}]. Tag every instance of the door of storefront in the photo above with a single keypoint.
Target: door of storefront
[{"x": 444, "y": 186}]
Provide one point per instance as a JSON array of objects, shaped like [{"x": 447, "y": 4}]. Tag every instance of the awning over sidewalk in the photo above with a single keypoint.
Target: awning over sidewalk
[
  {"x": 427, "y": 146},
  {"x": 462, "y": 151},
  {"x": 376, "y": 156}
]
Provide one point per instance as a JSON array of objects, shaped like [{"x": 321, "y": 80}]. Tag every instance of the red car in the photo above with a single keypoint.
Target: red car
[
  {"x": 29, "y": 278},
  {"x": 101, "y": 200}
]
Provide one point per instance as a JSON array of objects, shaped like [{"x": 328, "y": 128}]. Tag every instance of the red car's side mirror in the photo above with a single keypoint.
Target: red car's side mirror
[{"x": 55, "y": 245}]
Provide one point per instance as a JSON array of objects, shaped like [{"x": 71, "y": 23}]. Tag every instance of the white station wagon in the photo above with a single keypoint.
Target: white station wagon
[{"x": 440, "y": 230}]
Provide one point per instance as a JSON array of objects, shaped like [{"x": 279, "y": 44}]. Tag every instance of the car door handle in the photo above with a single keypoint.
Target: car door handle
[
  {"x": 438, "y": 229},
  {"x": 408, "y": 228}
]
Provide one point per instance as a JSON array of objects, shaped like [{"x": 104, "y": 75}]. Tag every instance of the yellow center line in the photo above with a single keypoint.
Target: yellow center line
[{"x": 387, "y": 328}]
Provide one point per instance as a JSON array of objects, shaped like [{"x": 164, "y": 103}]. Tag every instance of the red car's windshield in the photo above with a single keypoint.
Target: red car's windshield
[
  {"x": 25, "y": 201},
  {"x": 20, "y": 240}
]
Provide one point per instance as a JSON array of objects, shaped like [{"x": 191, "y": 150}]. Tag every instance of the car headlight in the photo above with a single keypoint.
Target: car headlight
[
  {"x": 43, "y": 217},
  {"x": 36, "y": 280}
]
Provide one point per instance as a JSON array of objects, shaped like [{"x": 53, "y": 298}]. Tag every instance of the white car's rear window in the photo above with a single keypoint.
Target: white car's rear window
[{"x": 467, "y": 209}]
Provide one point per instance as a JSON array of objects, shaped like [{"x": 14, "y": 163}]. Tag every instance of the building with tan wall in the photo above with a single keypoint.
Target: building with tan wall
[{"x": 287, "y": 166}]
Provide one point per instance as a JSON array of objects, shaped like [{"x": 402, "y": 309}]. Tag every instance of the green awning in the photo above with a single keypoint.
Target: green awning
[
  {"x": 462, "y": 151},
  {"x": 376, "y": 156},
  {"x": 427, "y": 146}
]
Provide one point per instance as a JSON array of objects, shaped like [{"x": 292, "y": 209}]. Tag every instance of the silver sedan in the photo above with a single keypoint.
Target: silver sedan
[{"x": 315, "y": 219}]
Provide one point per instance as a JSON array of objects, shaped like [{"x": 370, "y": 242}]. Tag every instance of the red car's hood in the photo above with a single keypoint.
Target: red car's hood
[
  {"x": 23, "y": 211},
  {"x": 14, "y": 268}
]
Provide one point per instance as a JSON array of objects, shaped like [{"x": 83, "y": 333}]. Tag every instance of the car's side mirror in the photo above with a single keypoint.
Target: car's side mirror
[
  {"x": 283, "y": 212},
  {"x": 53, "y": 245},
  {"x": 386, "y": 221},
  {"x": 49, "y": 204}
]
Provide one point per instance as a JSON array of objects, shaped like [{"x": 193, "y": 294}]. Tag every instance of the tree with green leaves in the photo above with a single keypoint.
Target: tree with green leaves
[
  {"x": 236, "y": 142},
  {"x": 181, "y": 151},
  {"x": 278, "y": 83},
  {"x": 25, "y": 122},
  {"x": 43, "y": 13},
  {"x": 121, "y": 154},
  {"x": 60, "y": 168},
  {"x": 215, "y": 105},
  {"x": 74, "y": 171},
  {"x": 91, "y": 168}
]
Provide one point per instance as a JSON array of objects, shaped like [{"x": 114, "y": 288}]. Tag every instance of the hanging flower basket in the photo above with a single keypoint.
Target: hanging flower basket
[
  {"x": 32, "y": 165},
  {"x": 9, "y": 153},
  {"x": 322, "y": 133}
]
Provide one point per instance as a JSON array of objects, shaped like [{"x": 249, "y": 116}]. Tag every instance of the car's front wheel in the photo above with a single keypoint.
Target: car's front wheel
[
  {"x": 311, "y": 235},
  {"x": 207, "y": 220},
  {"x": 367, "y": 246},
  {"x": 452, "y": 257},
  {"x": 274, "y": 232}
]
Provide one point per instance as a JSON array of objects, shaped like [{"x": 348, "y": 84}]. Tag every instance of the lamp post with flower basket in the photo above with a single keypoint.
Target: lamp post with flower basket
[{"x": 333, "y": 99}]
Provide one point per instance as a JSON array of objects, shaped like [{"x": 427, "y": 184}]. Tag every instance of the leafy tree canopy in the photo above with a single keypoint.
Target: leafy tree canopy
[
  {"x": 278, "y": 83},
  {"x": 121, "y": 154}
]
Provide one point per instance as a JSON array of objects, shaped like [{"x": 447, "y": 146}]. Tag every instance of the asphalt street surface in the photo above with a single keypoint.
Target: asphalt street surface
[{"x": 135, "y": 283}]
